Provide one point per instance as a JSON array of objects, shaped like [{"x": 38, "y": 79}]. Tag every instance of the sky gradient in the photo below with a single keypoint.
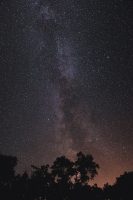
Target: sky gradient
[{"x": 66, "y": 82}]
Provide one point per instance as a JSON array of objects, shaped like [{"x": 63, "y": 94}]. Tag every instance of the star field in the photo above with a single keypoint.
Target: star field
[{"x": 66, "y": 82}]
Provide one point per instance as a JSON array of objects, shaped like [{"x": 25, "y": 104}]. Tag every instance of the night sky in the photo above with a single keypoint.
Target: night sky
[{"x": 66, "y": 82}]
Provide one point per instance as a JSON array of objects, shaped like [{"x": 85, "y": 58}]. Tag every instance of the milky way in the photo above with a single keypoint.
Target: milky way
[{"x": 66, "y": 82}]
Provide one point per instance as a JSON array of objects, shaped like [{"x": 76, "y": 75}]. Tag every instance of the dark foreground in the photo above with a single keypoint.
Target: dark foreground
[{"x": 64, "y": 180}]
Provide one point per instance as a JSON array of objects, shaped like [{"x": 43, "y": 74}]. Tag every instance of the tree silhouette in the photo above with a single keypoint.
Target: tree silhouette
[
  {"x": 123, "y": 188},
  {"x": 21, "y": 187},
  {"x": 41, "y": 181},
  {"x": 86, "y": 168},
  {"x": 62, "y": 171},
  {"x": 7, "y": 171},
  {"x": 7, "y": 175},
  {"x": 108, "y": 192},
  {"x": 64, "y": 180},
  {"x": 70, "y": 175}
]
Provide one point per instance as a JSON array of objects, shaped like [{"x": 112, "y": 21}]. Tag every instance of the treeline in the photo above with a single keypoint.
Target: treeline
[{"x": 64, "y": 180}]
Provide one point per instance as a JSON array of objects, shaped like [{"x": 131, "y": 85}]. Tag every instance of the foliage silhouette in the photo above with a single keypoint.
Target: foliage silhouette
[
  {"x": 7, "y": 175},
  {"x": 86, "y": 168},
  {"x": 7, "y": 165},
  {"x": 122, "y": 189},
  {"x": 64, "y": 180}
]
